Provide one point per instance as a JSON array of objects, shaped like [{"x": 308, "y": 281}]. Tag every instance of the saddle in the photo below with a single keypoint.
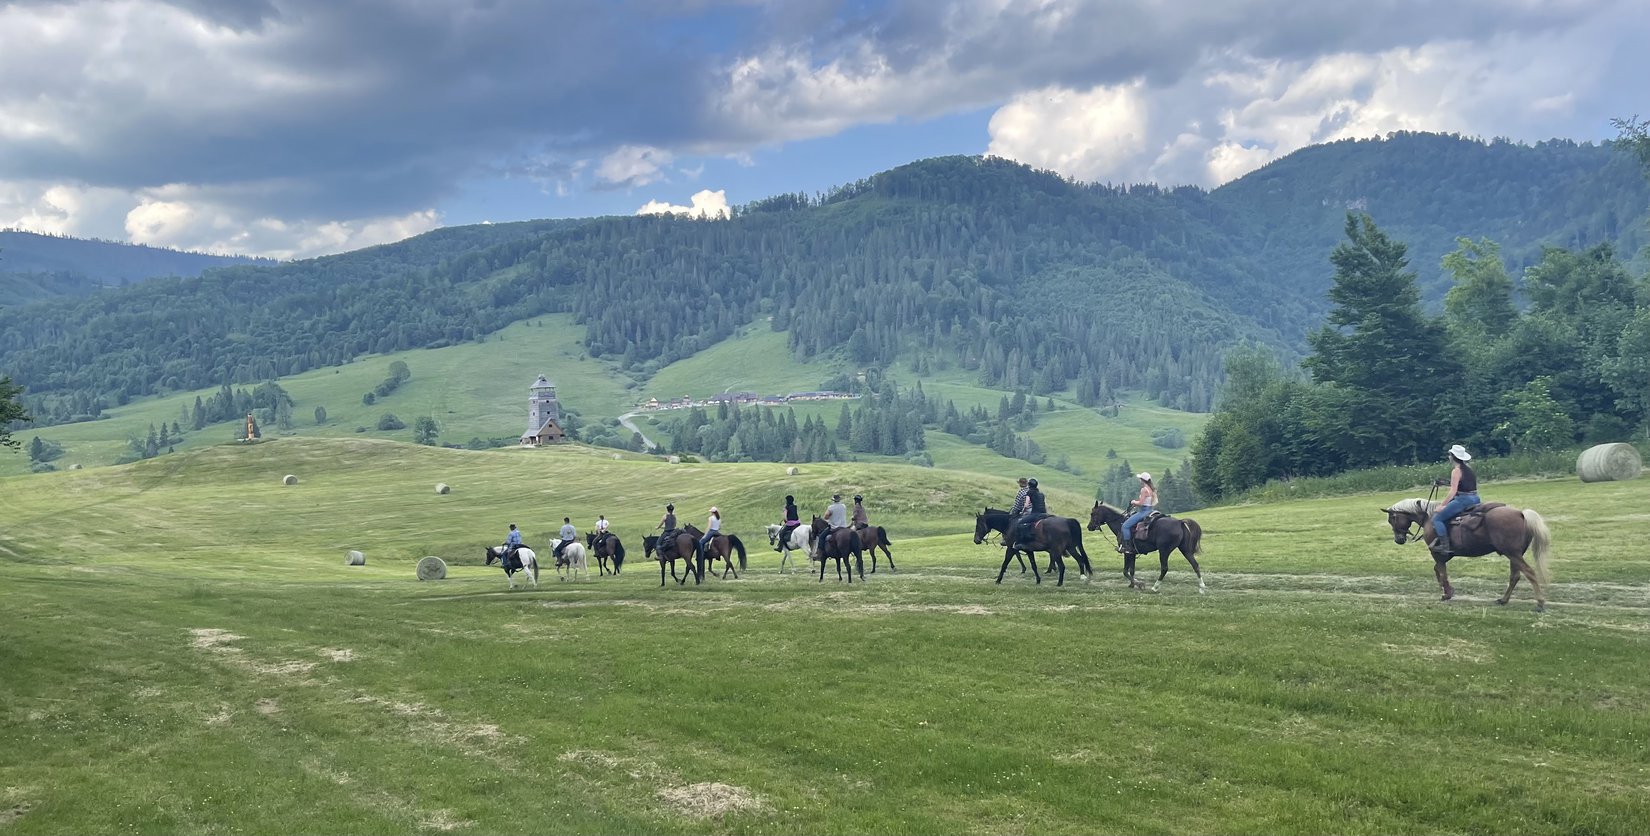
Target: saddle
[
  {"x": 1143, "y": 529},
  {"x": 1026, "y": 529},
  {"x": 667, "y": 543},
  {"x": 1471, "y": 521},
  {"x": 511, "y": 560}
]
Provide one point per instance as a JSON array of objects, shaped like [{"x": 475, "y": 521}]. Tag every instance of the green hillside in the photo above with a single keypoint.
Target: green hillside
[{"x": 197, "y": 651}]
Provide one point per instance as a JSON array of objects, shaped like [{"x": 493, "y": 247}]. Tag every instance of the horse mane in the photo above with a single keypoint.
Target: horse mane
[
  {"x": 1108, "y": 506},
  {"x": 989, "y": 511},
  {"x": 1415, "y": 506}
]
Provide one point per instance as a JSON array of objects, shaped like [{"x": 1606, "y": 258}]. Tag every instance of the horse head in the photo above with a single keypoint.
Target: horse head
[
  {"x": 773, "y": 534},
  {"x": 981, "y": 528},
  {"x": 492, "y": 554},
  {"x": 1405, "y": 517}
]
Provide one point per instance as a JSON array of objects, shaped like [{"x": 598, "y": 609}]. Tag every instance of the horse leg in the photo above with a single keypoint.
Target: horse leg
[
  {"x": 1057, "y": 563},
  {"x": 662, "y": 573},
  {"x": 1442, "y": 571},
  {"x": 1128, "y": 568},
  {"x": 859, "y": 560},
  {"x": 1514, "y": 565},
  {"x": 1201, "y": 589},
  {"x": 890, "y": 555},
  {"x": 1009, "y": 554},
  {"x": 1163, "y": 568},
  {"x": 728, "y": 559}
]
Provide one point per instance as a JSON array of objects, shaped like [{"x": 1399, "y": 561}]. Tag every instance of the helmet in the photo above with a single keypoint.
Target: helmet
[
  {"x": 670, "y": 507},
  {"x": 858, "y": 498},
  {"x": 1144, "y": 476},
  {"x": 789, "y": 499},
  {"x": 1031, "y": 483}
]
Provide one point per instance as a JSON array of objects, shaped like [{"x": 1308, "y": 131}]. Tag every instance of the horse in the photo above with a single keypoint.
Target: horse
[
  {"x": 871, "y": 538},
  {"x": 684, "y": 549},
  {"x": 800, "y": 539},
  {"x": 529, "y": 563},
  {"x": 603, "y": 547},
  {"x": 837, "y": 545},
  {"x": 721, "y": 547},
  {"x": 1163, "y": 535},
  {"x": 572, "y": 561},
  {"x": 1481, "y": 529},
  {"x": 1059, "y": 536}
]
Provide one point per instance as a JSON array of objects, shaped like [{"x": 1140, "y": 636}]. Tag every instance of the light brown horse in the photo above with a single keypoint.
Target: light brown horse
[
  {"x": 871, "y": 538},
  {"x": 837, "y": 545},
  {"x": 1480, "y": 530},
  {"x": 721, "y": 547}
]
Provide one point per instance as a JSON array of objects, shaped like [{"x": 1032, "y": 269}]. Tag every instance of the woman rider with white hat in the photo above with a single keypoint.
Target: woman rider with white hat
[
  {"x": 1146, "y": 502},
  {"x": 1463, "y": 494}
]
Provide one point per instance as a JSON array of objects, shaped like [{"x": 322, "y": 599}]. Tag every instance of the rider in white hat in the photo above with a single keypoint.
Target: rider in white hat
[
  {"x": 1463, "y": 494},
  {"x": 1146, "y": 502},
  {"x": 712, "y": 528}
]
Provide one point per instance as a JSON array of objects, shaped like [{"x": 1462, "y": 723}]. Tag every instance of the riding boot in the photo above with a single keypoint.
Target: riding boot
[{"x": 1440, "y": 547}]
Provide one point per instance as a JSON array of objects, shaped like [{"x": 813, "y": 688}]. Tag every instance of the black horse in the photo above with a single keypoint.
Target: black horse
[
  {"x": 1163, "y": 535},
  {"x": 1059, "y": 536},
  {"x": 603, "y": 547},
  {"x": 838, "y": 545},
  {"x": 683, "y": 545}
]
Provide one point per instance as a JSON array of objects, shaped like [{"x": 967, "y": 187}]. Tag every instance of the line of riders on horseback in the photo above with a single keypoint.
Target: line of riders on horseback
[{"x": 1459, "y": 525}]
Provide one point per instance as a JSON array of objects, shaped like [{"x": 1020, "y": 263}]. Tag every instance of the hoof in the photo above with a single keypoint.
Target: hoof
[
  {"x": 1501, "y": 602},
  {"x": 1541, "y": 607}
]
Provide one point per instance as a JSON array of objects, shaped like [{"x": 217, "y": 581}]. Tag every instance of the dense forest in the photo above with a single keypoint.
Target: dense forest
[
  {"x": 35, "y": 266},
  {"x": 1031, "y": 281}
]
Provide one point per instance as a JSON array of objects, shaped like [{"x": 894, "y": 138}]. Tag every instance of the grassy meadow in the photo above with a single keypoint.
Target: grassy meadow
[{"x": 187, "y": 652}]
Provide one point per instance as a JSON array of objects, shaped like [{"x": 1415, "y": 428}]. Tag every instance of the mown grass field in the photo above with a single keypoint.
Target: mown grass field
[{"x": 186, "y": 652}]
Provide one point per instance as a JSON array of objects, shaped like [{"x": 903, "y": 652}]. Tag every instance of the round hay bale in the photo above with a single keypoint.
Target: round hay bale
[
  {"x": 441, "y": 488},
  {"x": 355, "y": 558},
  {"x": 289, "y": 479},
  {"x": 674, "y": 460},
  {"x": 76, "y": 466},
  {"x": 617, "y": 457},
  {"x": 791, "y": 471},
  {"x": 1609, "y": 463},
  {"x": 432, "y": 569}
]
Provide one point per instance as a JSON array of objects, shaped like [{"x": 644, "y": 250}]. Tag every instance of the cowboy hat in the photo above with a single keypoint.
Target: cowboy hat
[
  {"x": 1143, "y": 476},
  {"x": 1461, "y": 453}
]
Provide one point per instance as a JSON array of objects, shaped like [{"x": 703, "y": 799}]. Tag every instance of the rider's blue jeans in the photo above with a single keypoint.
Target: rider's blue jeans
[
  {"x": 1134, "y": 520},
  {"x": 1440, "y": 520}
]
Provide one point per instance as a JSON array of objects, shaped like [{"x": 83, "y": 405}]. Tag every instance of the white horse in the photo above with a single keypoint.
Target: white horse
[
  {"x": 572, "y": 562},
  {"x": 529, "y": 563},
  {"x": 799, "y": 540}
]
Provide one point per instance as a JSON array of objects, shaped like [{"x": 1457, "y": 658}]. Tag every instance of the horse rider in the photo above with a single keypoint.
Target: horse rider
[
  {"x": 1463, "y": 494},
  {"x": 1146, "y": 502},
  {"x": 512, "y": 541},
  {"x": 667, "y": 528},
  {"x": 601, "y": 526},
  {"x": 567, "y": 535},
  {"x": 836, "y": 516},
  {"x": 1035, "y": 508},
  {"x": 861, "y": 521},
  {"x": 1019, "y": 505},
  {"x": 712, "y": 528},
  {"x": 793, "y": 518}
]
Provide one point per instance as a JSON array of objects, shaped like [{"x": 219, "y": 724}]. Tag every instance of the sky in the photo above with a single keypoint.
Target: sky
[{"x": 297, "y": 128}]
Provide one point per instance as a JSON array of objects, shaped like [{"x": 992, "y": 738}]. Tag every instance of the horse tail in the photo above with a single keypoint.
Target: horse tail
[
  {"x": 738, "y": 545},
  {"x": 882, "y": 536},
  {"x": 1541, "y": 540},
  {"x": 1194, "y": 537},
  {"x": 618, "y": 553},
  {"x": 1077, "y": 537},
  {"x": 533, "y": 562}
]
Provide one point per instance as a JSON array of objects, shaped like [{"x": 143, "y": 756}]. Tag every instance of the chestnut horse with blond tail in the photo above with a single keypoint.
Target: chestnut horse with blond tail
[{"x": 1480, "y": 530}]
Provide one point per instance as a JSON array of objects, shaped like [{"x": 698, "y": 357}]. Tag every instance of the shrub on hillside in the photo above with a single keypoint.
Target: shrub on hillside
[{"x": 390, "y": 422}]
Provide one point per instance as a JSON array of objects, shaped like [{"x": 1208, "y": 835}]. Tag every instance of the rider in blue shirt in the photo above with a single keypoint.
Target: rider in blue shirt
[
  {"x": 567, "y": 535},
  {"x": 511, "y": 543}
]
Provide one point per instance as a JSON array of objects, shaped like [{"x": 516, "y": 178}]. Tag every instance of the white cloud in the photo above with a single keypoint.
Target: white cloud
[
  {"x": 634, "y": 165},
  {"x": 706, "y": 204},
  {"x": 1087, "y": 135},
  {"x": 216, "y": 228}
]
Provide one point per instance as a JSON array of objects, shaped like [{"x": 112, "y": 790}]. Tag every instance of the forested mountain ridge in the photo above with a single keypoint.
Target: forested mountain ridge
[
  {"x": 35, "y": 266},
  {"x": 1032, "y": 281}
]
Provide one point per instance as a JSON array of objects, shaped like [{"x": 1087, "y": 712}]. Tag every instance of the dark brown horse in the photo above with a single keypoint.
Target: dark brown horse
[
  {"x": 871, "y": 538},
  {"x": 837, "y": 545},
  {"x": 1480, "y": 530},
  {"x": 1164, "y": 535},
  {"x": 721, "y": 547},
  {"x": 604, "y": 546},
  {"x": 1059, "y": 536},
  {"x": 681, "y": 546}
]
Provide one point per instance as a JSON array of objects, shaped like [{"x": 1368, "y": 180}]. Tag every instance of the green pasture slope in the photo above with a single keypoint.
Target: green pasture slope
[
  {"x": 479, "y": 390},
  {"x": 187, "y": 652}
]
